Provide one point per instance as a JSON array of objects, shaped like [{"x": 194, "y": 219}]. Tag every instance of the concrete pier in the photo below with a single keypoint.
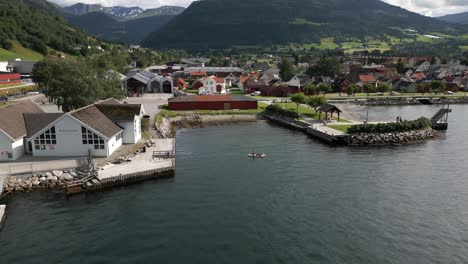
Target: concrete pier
[{"x": 145, "y": 166}]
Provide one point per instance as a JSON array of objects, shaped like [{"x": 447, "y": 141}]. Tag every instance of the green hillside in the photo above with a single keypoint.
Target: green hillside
[
  {"x": 226, "y": 23},
  {"x": 18, "y": 51},
  {"x": 36, "y": 26}
]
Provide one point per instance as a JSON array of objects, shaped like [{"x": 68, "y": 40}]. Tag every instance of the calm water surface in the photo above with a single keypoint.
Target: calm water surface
[{"x": 306, "y": 203}]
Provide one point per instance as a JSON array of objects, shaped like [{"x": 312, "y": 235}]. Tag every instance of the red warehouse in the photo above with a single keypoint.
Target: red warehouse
[
  {"x": 212, "y": 102},
  {"x": 9, "y": 78}
]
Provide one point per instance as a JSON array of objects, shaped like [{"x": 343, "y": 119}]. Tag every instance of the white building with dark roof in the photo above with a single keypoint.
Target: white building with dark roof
[
  {"x": 99, "y": 129},
  {"x": 13, "y": 128}
]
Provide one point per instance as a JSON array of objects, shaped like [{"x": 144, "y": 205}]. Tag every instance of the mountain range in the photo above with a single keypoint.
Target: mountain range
[
  {"x": 121, "y": 24},
  {"x": 227, "y": 23},
  {"x": 461, "y": 18}
]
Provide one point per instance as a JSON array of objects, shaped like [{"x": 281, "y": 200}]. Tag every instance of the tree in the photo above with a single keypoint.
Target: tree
[
  {"x": 437, "y": 86},
  {"x": 400, "y": 67},
  {"x": 316, "y": 102},
  {"x": 383, "y": 88},
  {"x": 352, "y": 89},
  {"x": 286, "y": 69},
  {"x": 325, "y": 88},
  {"x": 421, "y": 88},
  {"x": 368, "y": 88},
  {"x": 310, "y": 87},
  {"x": 325, "y": 67},
  {"x": 298, "y": 99},
  {"x": 72, "y": 84}
]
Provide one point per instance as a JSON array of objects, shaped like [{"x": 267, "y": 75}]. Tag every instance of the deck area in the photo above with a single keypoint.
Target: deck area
[{"x": 141, "y": 163}]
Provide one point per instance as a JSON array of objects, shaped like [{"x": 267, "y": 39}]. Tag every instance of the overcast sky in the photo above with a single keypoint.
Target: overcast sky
[{"x": 425, "y": 7}]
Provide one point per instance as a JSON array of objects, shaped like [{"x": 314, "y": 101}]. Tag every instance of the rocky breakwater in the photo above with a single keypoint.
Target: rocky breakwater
[
  {"x": 368, "y": 139},
  {"x": 54, "y": 180}
]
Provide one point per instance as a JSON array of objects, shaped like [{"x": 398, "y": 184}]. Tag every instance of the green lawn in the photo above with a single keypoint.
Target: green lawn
[
  {"x": 171, "y": 113},
  {"x": 342, "y": 128}
]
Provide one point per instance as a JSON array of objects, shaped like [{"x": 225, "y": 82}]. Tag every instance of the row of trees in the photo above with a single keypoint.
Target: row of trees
[
  {"x": 328, "y": 66},
  {"x": 72, "y": 84},
  {"x": 314, "y": 102}
]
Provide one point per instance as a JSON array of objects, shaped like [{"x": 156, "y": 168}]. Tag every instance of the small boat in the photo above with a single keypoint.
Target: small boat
[{"x": 257, "y": 155}]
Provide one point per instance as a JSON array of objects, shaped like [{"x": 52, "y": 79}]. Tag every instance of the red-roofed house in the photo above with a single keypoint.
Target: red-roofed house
[{"x": 197, "y": 74}]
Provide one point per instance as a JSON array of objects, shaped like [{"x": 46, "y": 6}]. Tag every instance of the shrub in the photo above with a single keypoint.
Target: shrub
[
  {"x": 420, "y": 123},
  {"x": 278, "y": 110}
]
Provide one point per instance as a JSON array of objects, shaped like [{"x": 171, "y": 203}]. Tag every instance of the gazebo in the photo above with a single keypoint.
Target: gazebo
[{"x": 329, "y": 109}]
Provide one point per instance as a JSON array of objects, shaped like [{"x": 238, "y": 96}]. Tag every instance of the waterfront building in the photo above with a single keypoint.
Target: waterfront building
[{"x": 99, "y": 129}]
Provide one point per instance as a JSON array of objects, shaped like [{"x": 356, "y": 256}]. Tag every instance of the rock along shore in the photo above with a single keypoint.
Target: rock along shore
[
  {"x": 368, "y": 139},
  {"x": 54, "y": 180}
]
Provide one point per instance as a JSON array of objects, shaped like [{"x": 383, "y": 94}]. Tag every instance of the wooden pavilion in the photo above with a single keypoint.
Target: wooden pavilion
[{"x": 329, "y": 109}]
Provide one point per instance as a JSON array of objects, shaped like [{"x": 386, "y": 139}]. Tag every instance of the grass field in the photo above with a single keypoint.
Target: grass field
[
  {"x": 20, "y": 90},
  {"x": 19, "y": 51},
  {"x": 342, "y": 128},
  {"x": 171, "y": 114}
]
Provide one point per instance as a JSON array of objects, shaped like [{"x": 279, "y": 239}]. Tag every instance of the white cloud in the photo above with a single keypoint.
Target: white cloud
[
  {"x": 140, "y": 3},
  {"x": 424, "y": 7},
  {"x": 432, "y": 7}
]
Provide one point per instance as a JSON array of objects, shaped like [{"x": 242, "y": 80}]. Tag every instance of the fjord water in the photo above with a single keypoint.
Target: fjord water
[{"x": 306, "y": 203}]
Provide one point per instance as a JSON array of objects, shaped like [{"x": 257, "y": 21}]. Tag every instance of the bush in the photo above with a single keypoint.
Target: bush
[
  {"x": 280, "y": 111},
  {"x": 420, "y": 123}
]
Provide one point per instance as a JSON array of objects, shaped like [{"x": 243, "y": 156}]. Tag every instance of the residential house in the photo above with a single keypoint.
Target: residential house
[
  {"x": 365, "y": 78},
  {"x": 213, "y": 85},
  {"x": 423, "y": 67}
]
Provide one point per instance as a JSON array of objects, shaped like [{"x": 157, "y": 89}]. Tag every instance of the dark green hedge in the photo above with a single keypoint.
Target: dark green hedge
[
  {"x": 404, "y": 126},
  {"x": 278, "y": 110}
]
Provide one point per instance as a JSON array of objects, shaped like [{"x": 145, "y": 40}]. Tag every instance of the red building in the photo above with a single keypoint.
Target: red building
[
  {"x": 9, "y": 78},
  {"x": 212, "y": 102}
]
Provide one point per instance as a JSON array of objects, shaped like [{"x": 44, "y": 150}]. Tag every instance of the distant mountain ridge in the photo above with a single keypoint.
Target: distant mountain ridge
[
  {"x": 130, "y": 29},
  {"x": 461, "y": 18},
  {"x": 121, "y": 12},
  {"x": 227, "y": 23}
]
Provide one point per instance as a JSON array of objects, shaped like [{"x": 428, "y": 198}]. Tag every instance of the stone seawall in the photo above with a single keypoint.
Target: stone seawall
[
  {"x": 168, "y": 126},
  {"x": 54, "y": 180},
  {"x": 368, "y": 139}
]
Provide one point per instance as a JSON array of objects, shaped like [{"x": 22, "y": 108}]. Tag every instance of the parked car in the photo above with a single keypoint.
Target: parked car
[
  {"x": 256, "y": 93},
  {"x": 449, "y": 92}
]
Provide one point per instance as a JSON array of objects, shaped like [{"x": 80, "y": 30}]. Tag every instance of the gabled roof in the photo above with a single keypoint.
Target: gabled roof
[
  {"x": 367, "y": 78},
  {"x": 120, "y": 112},
  {"x": 197, "y": 73},
  {"x": 110, "y": 101},
  {"x": 35, "y": 122},
  {"x": 95, "y": 119},
  {"x": 12, "y": 119}
]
